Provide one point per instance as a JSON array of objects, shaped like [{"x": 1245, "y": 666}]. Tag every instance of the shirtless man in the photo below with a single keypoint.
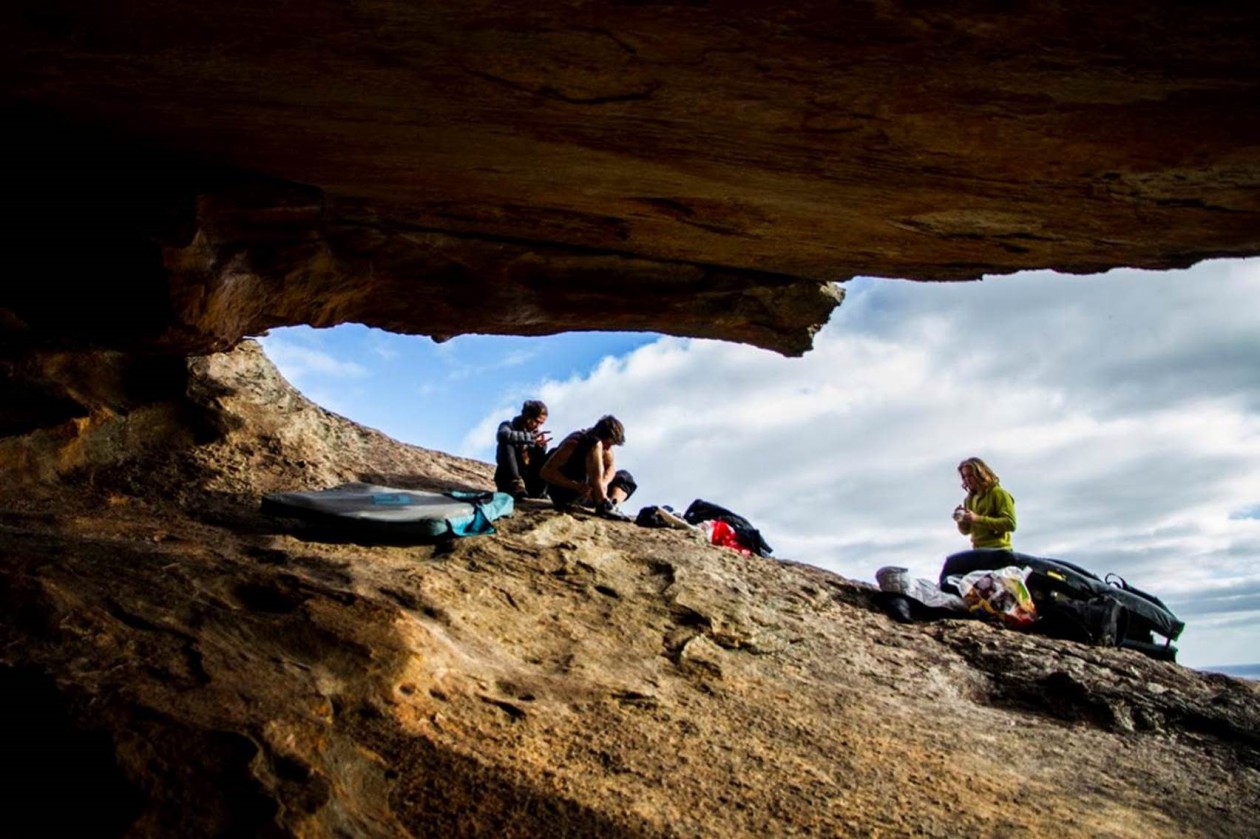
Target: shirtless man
[{"x": 582, "y": 469}]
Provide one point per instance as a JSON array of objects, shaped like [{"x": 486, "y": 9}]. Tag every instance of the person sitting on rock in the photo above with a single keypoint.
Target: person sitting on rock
[
  {"x": 582, "y": 470},
  {"x": 521, "y": 451}
]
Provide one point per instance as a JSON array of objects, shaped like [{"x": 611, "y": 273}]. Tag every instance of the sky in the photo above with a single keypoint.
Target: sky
[{"x": 1122, "y": 411}]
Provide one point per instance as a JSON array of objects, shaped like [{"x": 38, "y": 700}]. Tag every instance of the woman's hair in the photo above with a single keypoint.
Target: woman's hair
[
  {"x": 610, "y": 428},
  {"x": 532, "y": 409},
  {"x": 988, "y": 478}
]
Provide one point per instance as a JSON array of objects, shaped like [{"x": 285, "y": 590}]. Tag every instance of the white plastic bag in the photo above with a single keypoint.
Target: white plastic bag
[{"x": 1001, "y": 593}]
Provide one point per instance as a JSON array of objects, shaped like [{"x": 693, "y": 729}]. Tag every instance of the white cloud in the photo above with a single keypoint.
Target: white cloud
[
  {"x": 1122, "y": 411},
  {"x": 459, "y": 371},
  {"x": 301, "y": 362},
  {"x": 383, "y": 348}
]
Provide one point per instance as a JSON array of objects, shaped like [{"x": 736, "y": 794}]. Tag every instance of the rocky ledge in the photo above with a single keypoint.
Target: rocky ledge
[{"x": 174, "y": 663}]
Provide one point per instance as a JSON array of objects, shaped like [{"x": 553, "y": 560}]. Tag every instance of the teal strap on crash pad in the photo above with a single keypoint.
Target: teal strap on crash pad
[
  {"x": 479, "y": 524},
  {"x": 472, "y": 496}
]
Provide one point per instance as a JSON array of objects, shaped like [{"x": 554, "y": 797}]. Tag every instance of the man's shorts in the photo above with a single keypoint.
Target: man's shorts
[{"x": 564, "y": 497}]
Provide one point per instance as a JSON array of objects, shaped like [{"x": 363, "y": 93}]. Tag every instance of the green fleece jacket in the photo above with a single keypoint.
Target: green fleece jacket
[{"x": 996, "y": 511}]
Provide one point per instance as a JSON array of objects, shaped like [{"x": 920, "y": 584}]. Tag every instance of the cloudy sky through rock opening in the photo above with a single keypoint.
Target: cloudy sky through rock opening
[{"x": 1122, "y": 411}]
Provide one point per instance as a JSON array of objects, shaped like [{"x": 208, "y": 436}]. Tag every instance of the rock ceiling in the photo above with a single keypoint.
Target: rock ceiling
[
  {"x": 181, "y": 175},
  {"x": 204, "y": 171}
]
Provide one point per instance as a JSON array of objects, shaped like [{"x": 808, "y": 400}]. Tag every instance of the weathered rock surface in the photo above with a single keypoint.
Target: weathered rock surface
[
  {"x": 183, "y": 175},
  {"x": 175, "y": 664},
  {"x": 213, "y": 169}
]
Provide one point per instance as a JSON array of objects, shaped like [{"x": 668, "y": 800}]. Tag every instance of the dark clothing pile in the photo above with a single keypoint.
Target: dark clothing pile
[
  {"x": 701, "y": 510},
  {"x": 905, "y": 609}
]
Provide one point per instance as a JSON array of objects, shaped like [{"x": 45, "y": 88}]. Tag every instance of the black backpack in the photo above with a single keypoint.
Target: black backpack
[{"x": 1076, "y": 605}]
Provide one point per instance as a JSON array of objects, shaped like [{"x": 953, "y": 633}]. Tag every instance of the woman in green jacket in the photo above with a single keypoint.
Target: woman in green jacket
[{"x": 987, "y": 515}]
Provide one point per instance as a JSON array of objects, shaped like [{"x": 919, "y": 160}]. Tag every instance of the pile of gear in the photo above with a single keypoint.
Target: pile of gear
[
  {"x": 1028, "y": 593},
  {"x": 719, "y": 525}
]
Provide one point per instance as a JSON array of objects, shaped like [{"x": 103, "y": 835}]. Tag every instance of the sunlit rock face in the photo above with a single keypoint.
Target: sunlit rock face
[
  {"x": 200, "y": 173},
  {"x": 205, "y": 670}
]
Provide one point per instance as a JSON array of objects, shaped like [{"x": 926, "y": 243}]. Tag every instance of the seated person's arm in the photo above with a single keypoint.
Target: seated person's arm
[
  {"x": 596, "y": 477},
  {"x": 508, "y": 434},
  {"x": 551, "y": 469}
]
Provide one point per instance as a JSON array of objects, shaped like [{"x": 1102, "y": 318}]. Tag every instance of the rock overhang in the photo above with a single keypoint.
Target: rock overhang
[{"x": 524, "y": 169}]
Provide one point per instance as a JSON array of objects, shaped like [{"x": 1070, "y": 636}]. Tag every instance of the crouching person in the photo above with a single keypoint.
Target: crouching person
[
  {"x": 582, "y": 470},
  {"x": 521, "y": 451}
]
